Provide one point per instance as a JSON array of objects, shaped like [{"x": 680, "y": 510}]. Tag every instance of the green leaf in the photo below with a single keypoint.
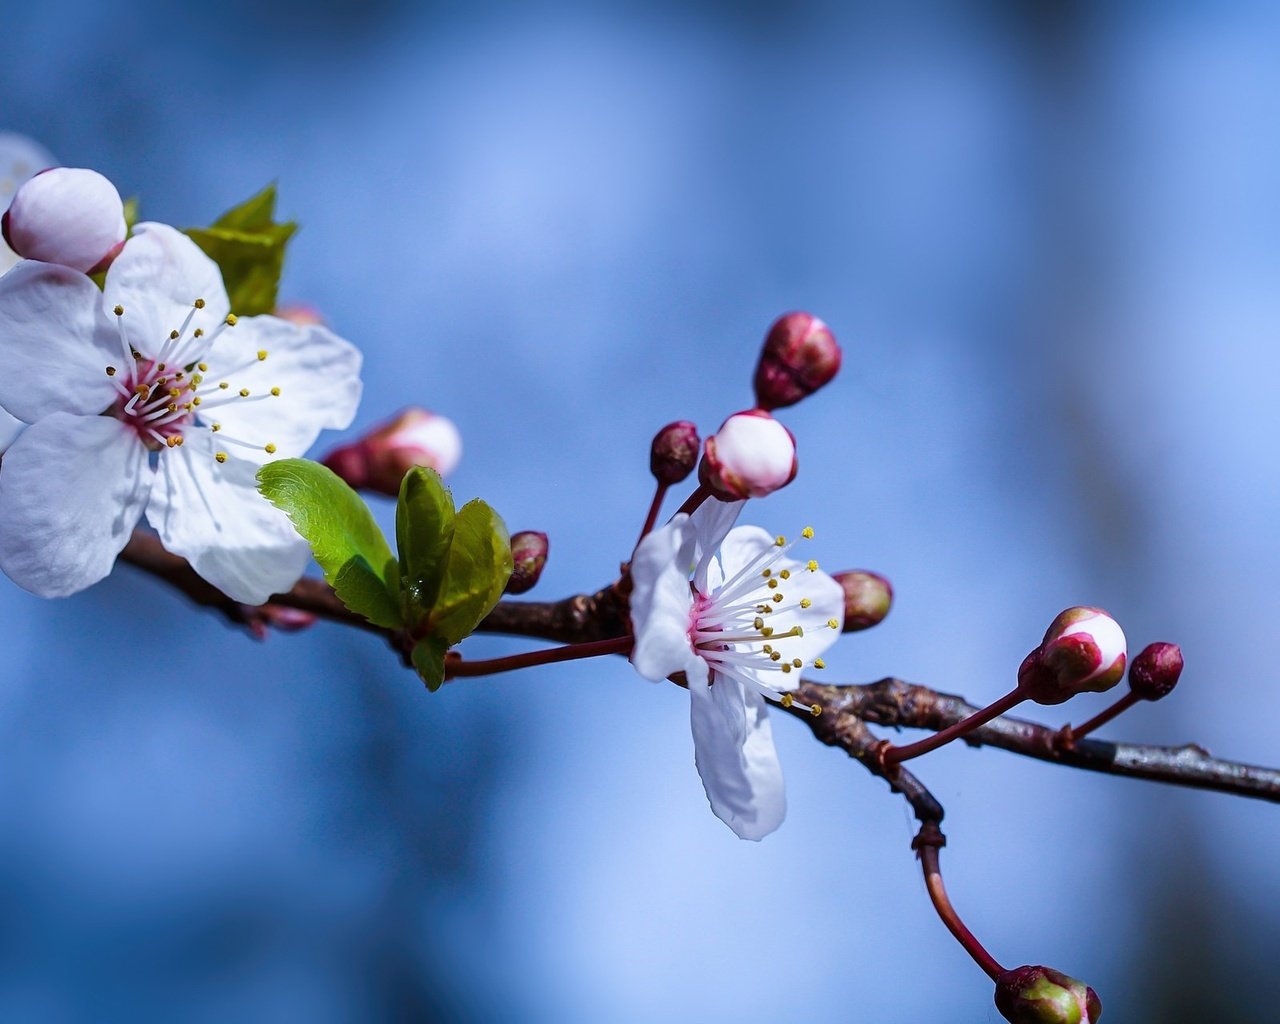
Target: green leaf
[
  {"x": 342, "y": 533},
  {"x": 478, "y": 568},
  {"x": 428, "y": 658},
  {"x": 131, "y": 210},
  {"x": 248, "y": 245},
  {"x": 424, "y": 531}
]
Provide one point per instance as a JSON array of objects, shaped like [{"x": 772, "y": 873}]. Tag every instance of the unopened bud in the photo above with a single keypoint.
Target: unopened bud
[
  {"x": 264, "y": 618},
  {"x": 751, "y": 455},
  {"x": 1041, "y": 995},
  {"x": 529, "y": 553},
  {"x": 1083, "y": 649},
  {"x": 300, "y": 314},
  {"x": 800, "y": 355},
  {"x": 379, "y": 460},
  {"x": 1154, "y": 673},
  {"x": 867, "y": 598},
  {"x": 674, "y": 452},
  {"x": 67, "y": 215}
]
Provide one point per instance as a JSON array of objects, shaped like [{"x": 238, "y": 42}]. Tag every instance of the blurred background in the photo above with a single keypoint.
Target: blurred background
[{"x": 1046, "y": 234}]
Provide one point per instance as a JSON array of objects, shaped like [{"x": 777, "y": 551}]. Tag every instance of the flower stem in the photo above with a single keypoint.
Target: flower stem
[
  {"x": 654, "y": 508},
  {"x": 927, "y": 847},
  {"x": 1068, "y": 736},
  {"x": 896, "y": 755},
  {"x": 570, "y": 652},
  {"x": 695, "y": 499}
]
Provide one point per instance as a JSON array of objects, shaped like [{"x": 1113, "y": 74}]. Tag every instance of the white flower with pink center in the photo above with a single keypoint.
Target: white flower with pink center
[
  {"x": 150, "y": 396},
  {"x": 741, "y": 632}
]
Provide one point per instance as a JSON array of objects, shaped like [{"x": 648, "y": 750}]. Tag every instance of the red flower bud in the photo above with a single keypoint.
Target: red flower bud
[
  {"x": 1041, "y": 995},
  {"x": 379, "y": 460},
  {"x": 674, "y": 452},
  {"x": 867, "y": 598},
  {"x": 751, "y": 455},
  {"x": 1083, "y": 649},
  {"x": 800, "y": 355},
  {"x": 529, "y": 552},
  {"x": 1154, "y": 673}
]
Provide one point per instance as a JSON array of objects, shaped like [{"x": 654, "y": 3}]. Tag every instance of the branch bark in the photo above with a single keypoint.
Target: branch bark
[{"x": 846, "y": 710}]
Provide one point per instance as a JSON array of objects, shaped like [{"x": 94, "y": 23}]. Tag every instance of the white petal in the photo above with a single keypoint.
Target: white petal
[
  {"x": 57, "y": 344},
  {"x": 67, "y": 215},
  {"x": 212, "y": 514},
  {"x": 317, "y": 372},
  {"x": 71, "y": 491},
  {"x": 661, "y": 601},
  {"x": 157, "y": 277},
  {"x": 10, "y": 428},
  {"x": 735, "y": 755},
  {"x": 20, "y": 158},
  {"x": 737, "y": 549},
  {"x": 712, "y": 521}
]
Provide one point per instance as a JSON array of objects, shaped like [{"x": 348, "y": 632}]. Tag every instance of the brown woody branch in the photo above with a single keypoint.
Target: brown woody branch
[{"x": 846, "y": 710}]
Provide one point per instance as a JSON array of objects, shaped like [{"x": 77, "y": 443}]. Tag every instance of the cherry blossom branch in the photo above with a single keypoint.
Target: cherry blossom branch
[{"x": 846, "y": 710}]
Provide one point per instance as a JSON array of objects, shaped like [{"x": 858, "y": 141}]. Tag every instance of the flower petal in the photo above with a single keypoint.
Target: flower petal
[
  {"x": 738, "y": 548},
  {"x": 661, "y": 601},
  {"x": 212, "y": 514},
  {"x": 736, "y": 758},
  {"x": 71, "y": 491},
  {"x": 317, "y": 374},
  {"x": 712, "y": 521},
  {"x": 10, "y": 428},
  {"x": 57, "y": 343},
  {"x": 20, "y": 158},
  {"x": 159, "y": 273}
]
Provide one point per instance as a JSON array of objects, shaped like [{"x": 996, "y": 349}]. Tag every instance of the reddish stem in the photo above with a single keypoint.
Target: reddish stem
[
  {"x": 457, "y": 667},
  {"x": 1068, "y": 736},
  {"x": 695, "y": 499},
  {"x": 942, "y": 904},
  {"x": 654, "y": 508},
  {"x": 896, "y": 755}
]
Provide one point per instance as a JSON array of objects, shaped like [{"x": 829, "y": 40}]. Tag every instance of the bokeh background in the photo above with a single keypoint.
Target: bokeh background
[{"x": 1047, "y": 234}]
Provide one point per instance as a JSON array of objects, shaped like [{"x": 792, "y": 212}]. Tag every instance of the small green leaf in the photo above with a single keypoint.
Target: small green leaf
[
  {"x": 478, "y": 568},
  {"x": 424, "y": 530},
  {"x": 131, "y": 209},
  {"x": 428, "y": 658},
  {"x": 342, "y": 533},
  {"x": 248, "y": 245}
]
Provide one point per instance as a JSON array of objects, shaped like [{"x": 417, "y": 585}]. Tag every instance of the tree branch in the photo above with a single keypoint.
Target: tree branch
[{"x": 846, "y": 710}]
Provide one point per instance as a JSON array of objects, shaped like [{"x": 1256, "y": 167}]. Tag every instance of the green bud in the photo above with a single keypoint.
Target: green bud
[{"x": 1041, "y": 995}]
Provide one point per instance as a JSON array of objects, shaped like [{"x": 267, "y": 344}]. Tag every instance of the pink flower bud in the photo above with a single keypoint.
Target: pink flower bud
[
  {"x": 379, "y": 460},
  {"x": 261, "y": 619},
  {"x": 867, "y": 598},
  {"x": 1041, "y": 995},
  {"x": 300, "y": 314},
  {"x": 67, "y": 215},
  {"x": 1154, "y": 673},
  {"x": 674, "y": 452},
  {"x": 800, "y": 355},
  {"x": 529, "y": 552},
  {"x": 751, "y": 455},
  {"x": 1083, "y": 649}
]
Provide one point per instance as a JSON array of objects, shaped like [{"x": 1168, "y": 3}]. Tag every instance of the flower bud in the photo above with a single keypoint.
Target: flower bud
[
  {"x": 867, "y": 598},
  {"x": 1083, "y": 649},
  {"x": 264, "y": 618},
  {"x": 379, "y": 460},
  {"x": 751, "y": 455},
  {"x": 674, "y": 452},
  {"x": 67, "y": 215},
  {"x": 529, "y": 552},
  {"x": 800, "y": 355},
  {"x": 300, "y": 314},
  {"x": 1154, "y": 673},
  {"x": 1041, "y": 995}
]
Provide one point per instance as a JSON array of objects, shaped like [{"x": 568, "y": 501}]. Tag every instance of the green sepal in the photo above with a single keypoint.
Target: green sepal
[
  {"x": 424, "y": 532},
  {"x": 344, "y": 538},
  {"x": 248, "y": 245},
  {"x": 428, "y": 659}
]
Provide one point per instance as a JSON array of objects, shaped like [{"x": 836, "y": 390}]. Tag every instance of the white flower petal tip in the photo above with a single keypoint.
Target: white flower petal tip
[
  {"x": 750, "y": 456},
  {"x": 67, "y": 215},
  {"x": 1084, "y": 649},
  {"x": 379, "y": 460},
  {"x": 753, "y": 619},
  {"x": 178, "y": 385}
]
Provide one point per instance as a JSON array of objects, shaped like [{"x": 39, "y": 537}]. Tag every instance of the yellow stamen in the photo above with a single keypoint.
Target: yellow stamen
[
  {"x": 812, "y": 566},
  {"x": 275, "y": 392},
  {"x": 815, "y": 710},
  {"x": 270, "y": 449},
  {"x": 262, "y": 354},
  {"x": 231, "y": 319},
  {"x": 780, "y": 541},
  {"x": 807, "y": 533},
  {"x": 244, "y": 392},
  {"x": 805, "y": 602},
  {"x": 787, "y": 700},
  {"x": 173, "y": 335},
  {"x": 819, "y": 663},
  {"x": 111, "y": 371},
  {"x": 220, "y": 456},
  {"x": 199, "y": 303},
  {"x": 119, "y": 311},
  {"x": 785, "y": 574},
  {"x": 833, "y": 623}
]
